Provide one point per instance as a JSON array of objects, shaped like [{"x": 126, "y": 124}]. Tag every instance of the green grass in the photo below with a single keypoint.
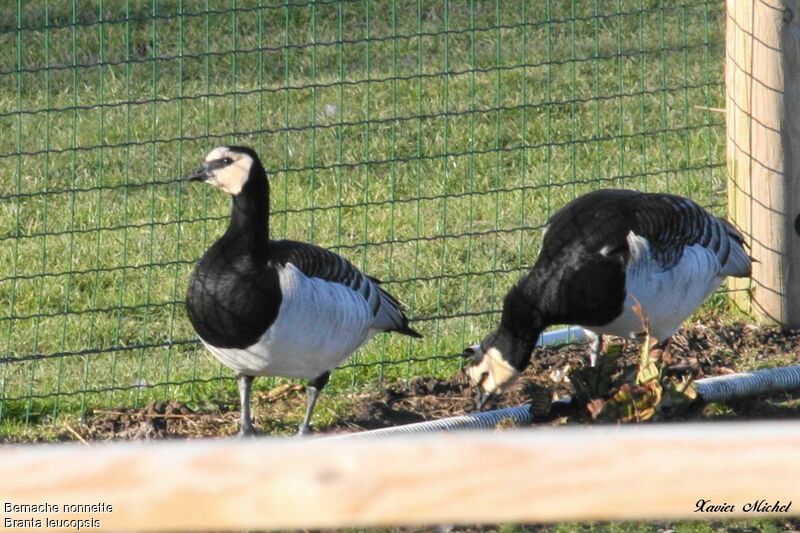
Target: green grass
[{"x": 429, "y": 149}]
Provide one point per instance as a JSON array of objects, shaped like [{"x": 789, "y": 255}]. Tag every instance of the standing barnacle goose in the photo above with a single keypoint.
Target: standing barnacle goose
[
  {"x": 602, "y": 253},
  {"x": 278, "y": 308}
]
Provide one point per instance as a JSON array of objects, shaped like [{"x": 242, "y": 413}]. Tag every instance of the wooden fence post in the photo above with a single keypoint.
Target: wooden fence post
[{"x": 762, "y": 78}]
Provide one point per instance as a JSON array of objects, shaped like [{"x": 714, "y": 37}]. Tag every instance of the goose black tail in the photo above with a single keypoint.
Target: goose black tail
[{"x": 407, "y": 330}]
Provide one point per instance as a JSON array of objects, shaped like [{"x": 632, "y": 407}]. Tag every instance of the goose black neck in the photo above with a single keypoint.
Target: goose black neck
[
  {"x": 250, "y": 210},
  {"x": 521, "y": 324}
]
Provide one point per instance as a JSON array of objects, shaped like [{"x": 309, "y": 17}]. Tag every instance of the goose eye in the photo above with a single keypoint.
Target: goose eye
[{"x": 227, "y": 161}]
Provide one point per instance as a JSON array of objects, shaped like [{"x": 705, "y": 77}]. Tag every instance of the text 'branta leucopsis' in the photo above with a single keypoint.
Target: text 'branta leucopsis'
[
  {"x": 601, "y": 253},
  {"x": 278, "y": 307}
]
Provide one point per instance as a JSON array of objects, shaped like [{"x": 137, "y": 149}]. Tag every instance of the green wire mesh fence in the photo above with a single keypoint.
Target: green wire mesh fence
[{"x": 426, "y": 140}]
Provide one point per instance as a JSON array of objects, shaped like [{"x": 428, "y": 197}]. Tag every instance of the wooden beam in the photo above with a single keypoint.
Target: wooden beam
[
  {"x": 762, "y": 78},
  {"x": 597, "y": 473}
]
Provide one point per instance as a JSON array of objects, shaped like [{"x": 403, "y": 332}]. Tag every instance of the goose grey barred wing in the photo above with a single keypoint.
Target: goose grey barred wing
[
  {"x": 596, "y": 226},
  {"x": 391, "y": 316},
  {"x": 316, "y": 262},
  {"x": 671, "y": 223}
]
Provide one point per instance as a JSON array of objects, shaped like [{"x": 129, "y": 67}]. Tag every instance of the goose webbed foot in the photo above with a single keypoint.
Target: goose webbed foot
[{"x": 247, "y": 432}]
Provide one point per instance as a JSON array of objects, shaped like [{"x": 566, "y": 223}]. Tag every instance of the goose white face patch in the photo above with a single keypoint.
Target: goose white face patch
[
  {"x": 493, "y": 374},
  {"x": 231, "y": 177}
]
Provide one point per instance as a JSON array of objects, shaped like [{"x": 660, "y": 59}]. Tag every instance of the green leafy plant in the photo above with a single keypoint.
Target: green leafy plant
[{"x": 649, "y": 395}]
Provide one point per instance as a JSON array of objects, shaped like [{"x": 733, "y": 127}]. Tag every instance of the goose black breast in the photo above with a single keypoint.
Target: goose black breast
[{"x": 233, "y": 297}]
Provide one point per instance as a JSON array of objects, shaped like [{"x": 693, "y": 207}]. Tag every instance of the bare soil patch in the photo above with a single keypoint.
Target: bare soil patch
[{"x": 699, "y": 350}]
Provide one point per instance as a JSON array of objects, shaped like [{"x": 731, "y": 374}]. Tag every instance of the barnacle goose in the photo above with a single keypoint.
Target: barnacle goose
[
  {"x": 278, "y": 307},
  {"x": 601, "y": 253}
]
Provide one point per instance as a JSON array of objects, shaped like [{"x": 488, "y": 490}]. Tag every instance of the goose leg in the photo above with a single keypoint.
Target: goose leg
[
  {"x": 246, "y": 428},
  {"x": 313, "y": 389},
  {"x": 596, "y": 351}
]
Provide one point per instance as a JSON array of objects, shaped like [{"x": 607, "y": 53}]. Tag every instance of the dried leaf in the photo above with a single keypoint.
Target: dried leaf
[
  {"x": 560, "y": 374},
  {"x": 648, "y": 373},
  {"x": 505, "y": 423},
  {"x": 281, "y": 391},
  {"x": 637, "y": 308},
  {"x": 595, "y": 407}
]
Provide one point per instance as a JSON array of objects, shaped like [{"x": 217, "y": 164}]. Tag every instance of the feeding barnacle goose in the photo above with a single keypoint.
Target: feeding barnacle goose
[
  {"x": 602, "y": 253},
  {"x": 277, "y": 307}
]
